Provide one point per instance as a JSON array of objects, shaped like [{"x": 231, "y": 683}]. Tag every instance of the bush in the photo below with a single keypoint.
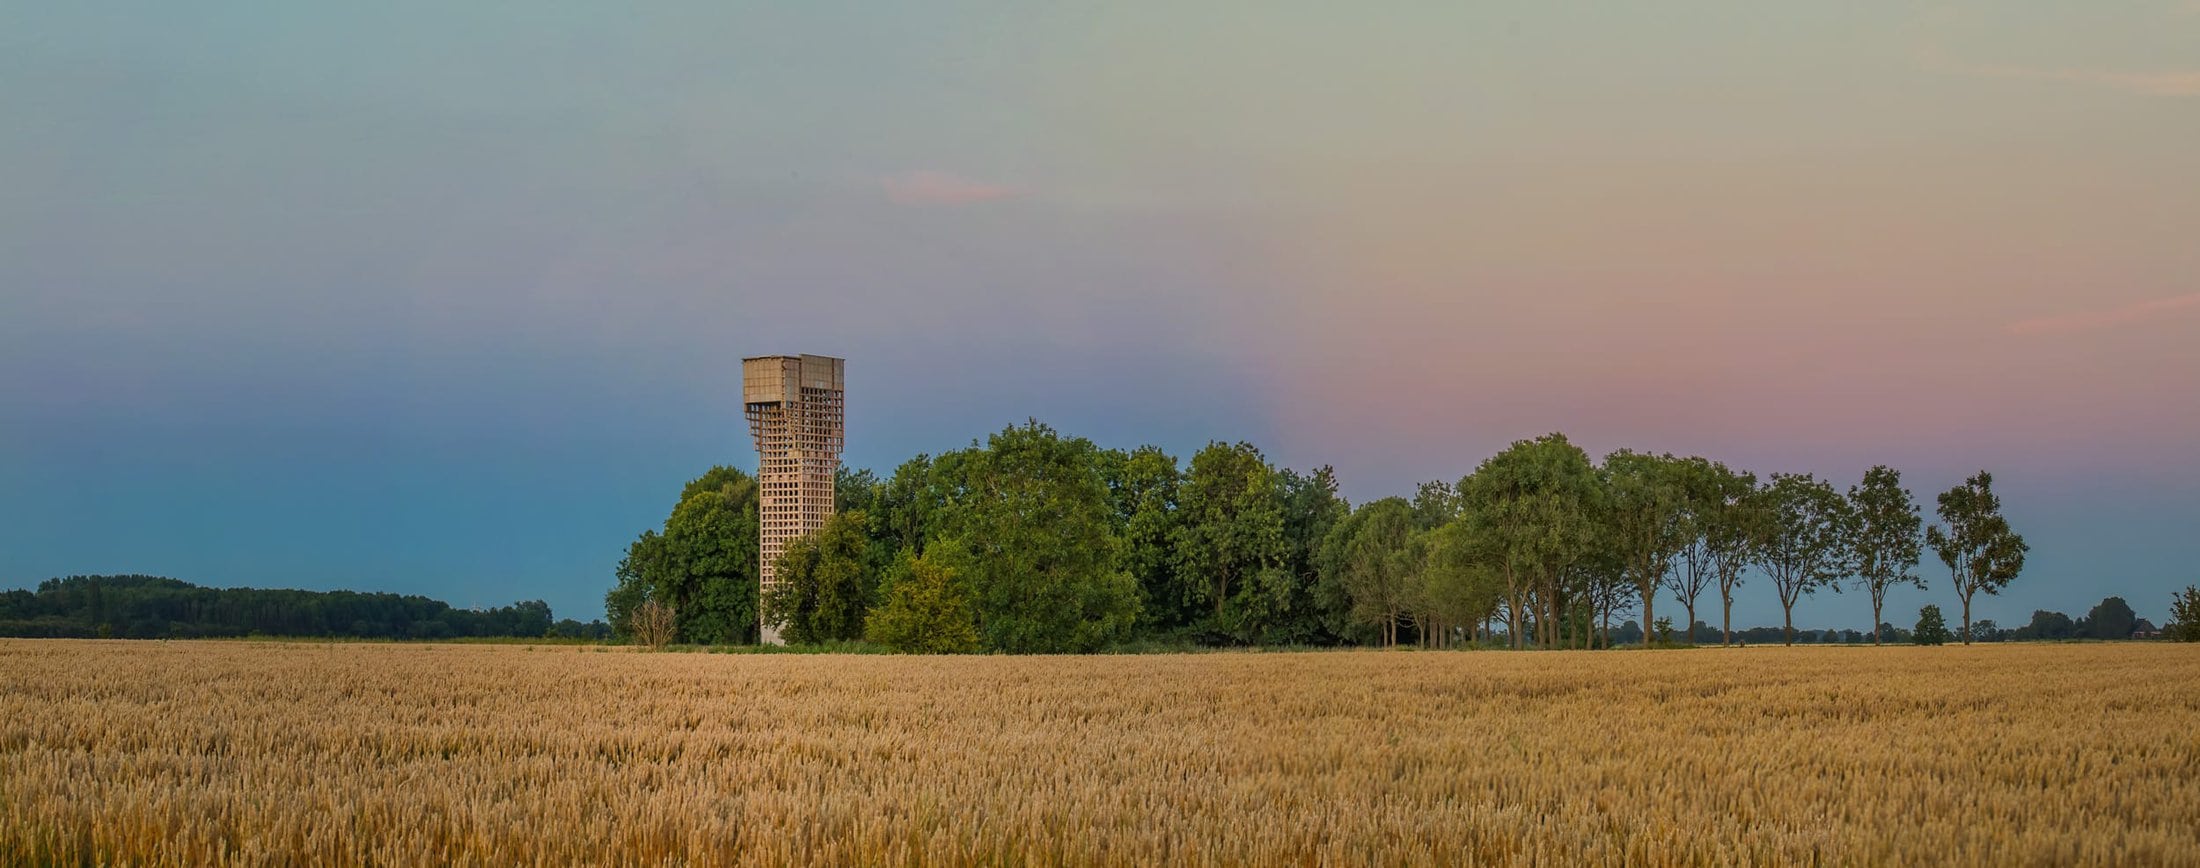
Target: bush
[
  {"x": 2184, "y": 607},
  {"x": 1931, "y": 628},
  {"x": 928, "y": 609}
]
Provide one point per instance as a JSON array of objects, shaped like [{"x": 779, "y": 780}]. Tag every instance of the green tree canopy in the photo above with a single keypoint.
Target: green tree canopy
[
  {"x": 703, "y": 563},
  {"x": 927, "y": 607},
  {"x": 1883, "y": 539},
  {"x": 1538, "y": 504},
  {"x": 1646, "y": 511},
  {"x": 825, "y": 583},
  {"x": 1976, "y": 543},
  {"x": 1802, "y": 539},
  {"x": 1231, "y": 537},
  {"x": 1035, "y": 517},
  {"x": 1932, "y": 629}
]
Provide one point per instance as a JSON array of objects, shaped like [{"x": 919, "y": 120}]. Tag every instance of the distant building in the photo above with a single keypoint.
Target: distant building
[{"x": 794, "y": 405}]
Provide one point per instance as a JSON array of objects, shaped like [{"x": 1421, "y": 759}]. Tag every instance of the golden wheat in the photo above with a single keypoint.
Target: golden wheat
[{"x": 258, "y": 754}]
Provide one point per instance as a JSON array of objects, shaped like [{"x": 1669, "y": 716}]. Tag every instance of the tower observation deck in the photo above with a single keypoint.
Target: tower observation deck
[{"x": 794, "y": 406}]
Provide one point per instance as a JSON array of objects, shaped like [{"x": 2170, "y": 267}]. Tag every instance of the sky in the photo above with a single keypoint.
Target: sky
[{"x": 450, "y": 298}]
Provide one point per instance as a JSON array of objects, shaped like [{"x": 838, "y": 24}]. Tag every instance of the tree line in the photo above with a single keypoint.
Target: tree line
[
  {"x": 1034, "y": 541},
  {"x": 152, "y": 607}
]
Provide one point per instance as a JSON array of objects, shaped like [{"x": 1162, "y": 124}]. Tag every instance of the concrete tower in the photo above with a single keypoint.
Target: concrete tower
[{"x": 794, "y": 407}]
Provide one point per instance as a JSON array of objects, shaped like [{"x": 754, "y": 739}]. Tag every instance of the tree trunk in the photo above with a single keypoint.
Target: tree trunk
[
  {"x": 1726, "y": 620},
  {"x": 1691, "y": 622},
  {"x": 1875, "y": 620},
  {"x": 1966, "y": 619},
  {"x": 1787, "y": 615},
  {"x": 1649, "y": 625}
]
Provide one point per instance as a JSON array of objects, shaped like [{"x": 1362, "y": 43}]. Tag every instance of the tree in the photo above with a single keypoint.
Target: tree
[
  {"x": 1883, "y": 539},
  {"x": 2112, "y": 619},
  {"x": 1977, "y": 544},
  {"x": 1434, "y": 505},
  {"x": 1459, "y": 587},
  {"x": 1311, "y": 508},
  {"x": 1734, "y": 513},
  {"x": 1537, "y": 502},
  {"x": 2048, "y": 625},
  {"x": 1931, "y": 629},
  {"x": 652, "y": 623},
  {"x": 703, "y": 565},
  {"x": 1702, "y": 505},
  {"x": 1231, "y": 537},
  {"x": 1143, "y": 486},
  {"x": 1646, "y": 511},
  {"x": 1377, "y": 564},
  {"x": 824, "y": 583},
  {"x": 2184, "y": 613},
  {"x": 927, "y": 607},
  {"x": 1801, "y": 540},
  {"x": 1044, "y": 570}
]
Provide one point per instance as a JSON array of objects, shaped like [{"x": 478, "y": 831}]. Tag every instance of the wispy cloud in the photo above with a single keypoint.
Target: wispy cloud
[
  {"x": 2150, "y": 82},
  {"x": 2180, "y": 82},
  {"x": 2093, "y": 320},
  {"x": 940, "y": 188}
]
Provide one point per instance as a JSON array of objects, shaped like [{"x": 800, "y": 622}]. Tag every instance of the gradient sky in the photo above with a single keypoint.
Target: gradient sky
[{"x": 449, "y": 298}]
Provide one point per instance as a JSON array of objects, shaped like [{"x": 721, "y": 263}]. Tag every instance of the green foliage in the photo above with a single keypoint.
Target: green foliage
[
  {"x": 1459, "y": 585},
  {"x": 1802, "y": 539},
  {"x": 1230, "y": 542},
  {"x": 1931, "y": 628},
  {"x": 1375, "y": 563},
  {"x": 1035, "y": 518},
  {"x": 1883, "y": 539},
  {"x": 703, "y": 564},
  {"x": 927, "y": 607},
  {"x": 2111, "y": 619},
  {"x": 1299, "y": 613},
  {"x": 1538, "y": 506},
  {"x": 824, "y": 583},
  {"x": 2184, "y": 613},
  {"x": 153, "y": 607},
  {"x": 1143, "y": 488},
  {"x": 1647, "y": 513},
  {"x": 1981, "y": 551}
]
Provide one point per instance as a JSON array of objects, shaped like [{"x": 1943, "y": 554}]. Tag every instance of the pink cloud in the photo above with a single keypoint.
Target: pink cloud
[
  {"x": 2162, "y": 83},
  {"x": 2092, "y": 320},
  {"x": 927, "y": 187}
]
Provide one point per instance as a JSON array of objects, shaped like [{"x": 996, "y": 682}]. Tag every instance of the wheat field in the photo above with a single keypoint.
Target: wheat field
[{"x": 277, "y": 754}]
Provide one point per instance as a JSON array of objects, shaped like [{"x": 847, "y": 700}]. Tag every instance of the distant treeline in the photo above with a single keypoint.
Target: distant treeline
[{"x": 152, "y": 607}]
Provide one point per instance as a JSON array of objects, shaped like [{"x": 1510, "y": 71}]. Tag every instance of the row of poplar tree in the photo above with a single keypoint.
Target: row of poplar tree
[{"x": 1034, "y": 542}]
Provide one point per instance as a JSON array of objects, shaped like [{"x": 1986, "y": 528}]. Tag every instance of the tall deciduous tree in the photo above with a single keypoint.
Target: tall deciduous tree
[
  {"x": 1802, "y": 541},
  {"x": 1884, "y": 538},
  {"x": 703, "y": 565},
  {"x": 1692, "y": 572},
  {"x": 1311, "y": 508},
  {"x": 1646, "y": 512},
  {"x": 1734, "y": 512},
  {"x": 1976, "y": 543},
  {"x": 1231, "y": 536},
  {"x": 1376, "y": 563},
  {"x": 825, "y": 583},
  {"x": 1459, "y": 585},
  {"x": 1143, "y": 484},
  {"x": 1035, "y": 518},
  {"x": 1538, "y": 503}
]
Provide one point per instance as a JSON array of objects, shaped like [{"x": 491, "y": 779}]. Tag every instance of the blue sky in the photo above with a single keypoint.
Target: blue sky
[{"x": 450, "y": 299}]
